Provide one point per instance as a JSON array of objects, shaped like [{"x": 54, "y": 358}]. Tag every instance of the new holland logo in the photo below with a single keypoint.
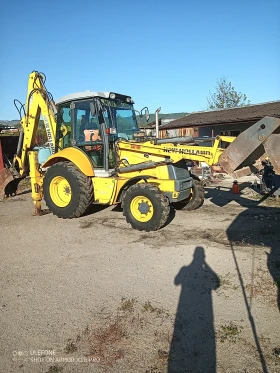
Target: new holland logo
[
  {"x": 49, "y": 135},
  {"x": 186, "y": 151}
]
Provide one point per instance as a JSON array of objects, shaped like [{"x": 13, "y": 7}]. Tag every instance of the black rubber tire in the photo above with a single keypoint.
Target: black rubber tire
[
  {"x": 159, "y": 201},
  {"x": 81, "y": 189},
  {"x": 196, "y": 198}
]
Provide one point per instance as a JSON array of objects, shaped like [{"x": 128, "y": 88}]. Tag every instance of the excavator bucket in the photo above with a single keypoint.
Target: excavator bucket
[
  {"x": 254, "y": 143},
  {"x": 8, "y": 182}
]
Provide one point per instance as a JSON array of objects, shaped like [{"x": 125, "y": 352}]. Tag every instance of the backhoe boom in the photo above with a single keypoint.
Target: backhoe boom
[{"x": 38, "y": 102}]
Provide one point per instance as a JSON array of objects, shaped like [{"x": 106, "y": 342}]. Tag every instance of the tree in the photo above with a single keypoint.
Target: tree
[
  {"x": 41, "y": 137},
  {"x": 226, "y": 96}
]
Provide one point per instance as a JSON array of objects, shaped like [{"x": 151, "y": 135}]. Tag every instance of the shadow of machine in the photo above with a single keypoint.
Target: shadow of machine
[
  {"x": 260, "y": 226},
  {"x": 257, "y": 226}
]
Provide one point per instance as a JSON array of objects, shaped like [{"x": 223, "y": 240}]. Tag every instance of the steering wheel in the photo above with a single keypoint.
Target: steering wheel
[{"x": 120, "y": 139}]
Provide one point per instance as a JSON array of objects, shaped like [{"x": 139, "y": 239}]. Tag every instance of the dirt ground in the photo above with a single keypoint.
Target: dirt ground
[{"x": 94, "y": 295}]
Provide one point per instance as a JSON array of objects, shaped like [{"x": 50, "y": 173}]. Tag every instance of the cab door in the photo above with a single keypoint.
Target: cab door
[{"x": 88, "y": 133}]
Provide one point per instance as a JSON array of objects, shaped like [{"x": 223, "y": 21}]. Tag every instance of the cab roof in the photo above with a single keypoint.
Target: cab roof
[{"x": 86, "y": 94}]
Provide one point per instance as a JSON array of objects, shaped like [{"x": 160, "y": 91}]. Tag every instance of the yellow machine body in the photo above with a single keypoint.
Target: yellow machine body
[
  {"x": 146, "y": 176},
  {"x": 72, "y": 155}
]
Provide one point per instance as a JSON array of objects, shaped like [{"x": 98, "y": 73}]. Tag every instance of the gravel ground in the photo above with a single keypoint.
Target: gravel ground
[{"x": 93, "y": 295}]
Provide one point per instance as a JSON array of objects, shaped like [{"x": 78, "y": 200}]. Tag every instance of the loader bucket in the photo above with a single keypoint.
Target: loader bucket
[
  {"x": 272, "y": 148},
  {"x": 261, "y": 138}
]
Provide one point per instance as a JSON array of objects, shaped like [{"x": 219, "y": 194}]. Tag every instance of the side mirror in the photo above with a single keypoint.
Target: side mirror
[{"x": 147, "y": 114}]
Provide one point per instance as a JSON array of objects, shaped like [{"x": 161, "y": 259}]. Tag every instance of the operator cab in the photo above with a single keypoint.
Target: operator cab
[{"x": 93, "y": 122}]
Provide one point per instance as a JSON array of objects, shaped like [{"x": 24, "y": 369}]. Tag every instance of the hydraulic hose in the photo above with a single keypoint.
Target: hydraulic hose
[{"x": 20, "y": 142}]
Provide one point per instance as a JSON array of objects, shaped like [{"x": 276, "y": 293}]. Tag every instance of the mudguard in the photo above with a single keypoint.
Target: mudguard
[{"x": 74, "y": 155}]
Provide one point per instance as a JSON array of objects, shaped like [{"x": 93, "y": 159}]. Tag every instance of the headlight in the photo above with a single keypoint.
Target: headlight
[
  {"x": 112, "y": 96},
  {"x": 128, "y": 99}
]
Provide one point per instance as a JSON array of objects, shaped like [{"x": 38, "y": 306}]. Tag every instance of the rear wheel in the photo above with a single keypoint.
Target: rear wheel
[
  {"x": 195, "y": 199},
  {"x": 67, "y": 191},
  {"x": 145, "y": 207}
]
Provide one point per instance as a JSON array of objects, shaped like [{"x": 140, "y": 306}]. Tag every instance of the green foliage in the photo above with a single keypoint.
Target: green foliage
[
  {"x": 41, "y": 137},
  {"x": 226, "y": 96}
]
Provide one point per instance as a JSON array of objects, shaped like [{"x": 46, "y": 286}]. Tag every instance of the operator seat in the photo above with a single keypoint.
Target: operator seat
[
  {"x": 91, "y": 126},
  {"x": 91, "y": 133}
]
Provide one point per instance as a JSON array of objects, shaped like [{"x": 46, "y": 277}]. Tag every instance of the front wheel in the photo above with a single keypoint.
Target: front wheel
[
  {"x": 196, "y": 198},
  {"x": 145, "y": 207},
  {"x": 68, "y": 193}
]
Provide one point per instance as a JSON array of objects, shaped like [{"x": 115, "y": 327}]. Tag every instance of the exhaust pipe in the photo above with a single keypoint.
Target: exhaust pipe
[{"x": 157, "y": 124}]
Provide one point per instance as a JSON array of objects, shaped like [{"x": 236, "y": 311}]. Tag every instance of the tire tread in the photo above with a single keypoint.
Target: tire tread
[
  {"x": 85, "y": 189},
  {"x": 164, "y": 204}
]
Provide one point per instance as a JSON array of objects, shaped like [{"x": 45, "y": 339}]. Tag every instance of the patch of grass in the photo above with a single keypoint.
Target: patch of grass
[
  {"x": 78, "y": 338},
  {"x": 229, "y": 332},
  {"x": 138, "y": 321},
  {"x": 122, "y": 336},
  {"x": 86, "y": 224},
  {"x": 54, "y": 369},
  {"x": 148, "y": 307},
  {"x": 163, "y": 336},
  {"x": 224, "y": 281},
  {"x": 127, "y": 304},
  {"x": 70, "y": 347},
  {"x": 86, "y": 331},
  {"x": 262, "y": 338},
  {"x": 276, "y": 352},
  {"x": 114, "y": 332},
  {"x": 105, "y": 342},
  {"x": 153, "y": 370},
  {"x": 163, "y": 355}
]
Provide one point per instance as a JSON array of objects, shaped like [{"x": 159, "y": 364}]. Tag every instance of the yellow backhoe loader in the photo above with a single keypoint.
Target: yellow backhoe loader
[{"x": 98, "y": 155}]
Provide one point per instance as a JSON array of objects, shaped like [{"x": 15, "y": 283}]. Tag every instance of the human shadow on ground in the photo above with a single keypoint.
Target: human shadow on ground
[{"x": 193, "y": 346}]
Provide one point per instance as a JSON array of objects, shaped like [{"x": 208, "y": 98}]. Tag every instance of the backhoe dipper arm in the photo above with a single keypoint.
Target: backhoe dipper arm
[{"x": 38, "y": 102}]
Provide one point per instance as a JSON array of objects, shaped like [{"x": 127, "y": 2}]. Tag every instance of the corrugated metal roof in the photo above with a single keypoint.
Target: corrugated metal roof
[{"x": 230, "y": 115}]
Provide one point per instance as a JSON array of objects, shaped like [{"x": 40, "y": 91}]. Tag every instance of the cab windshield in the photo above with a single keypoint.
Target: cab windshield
[{"x": 121, "y": 116}]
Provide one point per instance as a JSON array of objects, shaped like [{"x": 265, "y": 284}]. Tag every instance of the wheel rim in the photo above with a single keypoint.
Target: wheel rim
[
  {"x": 60, "y": 191},
  {"x": 141, "y": 208}
]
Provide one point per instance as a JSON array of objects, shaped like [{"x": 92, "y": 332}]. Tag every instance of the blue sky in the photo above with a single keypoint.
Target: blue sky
[{"x": 162, "y": 53}]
